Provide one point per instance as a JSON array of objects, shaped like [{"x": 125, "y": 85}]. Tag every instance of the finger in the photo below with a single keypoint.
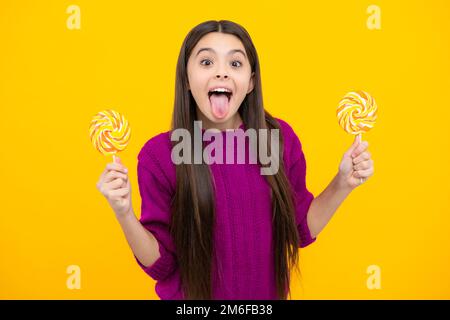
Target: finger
[
  {"x": 101, "y": 179},
  {"x": 115, "y": 184},
  {"x": 362, "y": 157},
  {"x": 119, "y": 193},
  {"x": 360, "y": 148},
  {"x": 363, "y": 165},
  {"x": 363, "y": 173},
  {"x": 117, "y": 167},
  {"x": 111, "y": 175}
]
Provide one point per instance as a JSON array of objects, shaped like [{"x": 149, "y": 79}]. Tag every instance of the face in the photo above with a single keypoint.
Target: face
[{"x": 219, "y": 63}]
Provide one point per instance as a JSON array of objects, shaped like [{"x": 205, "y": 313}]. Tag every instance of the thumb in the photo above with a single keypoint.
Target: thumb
[
  {"x": 355, "y": 144},
  {"x": 117, "y": 160}
]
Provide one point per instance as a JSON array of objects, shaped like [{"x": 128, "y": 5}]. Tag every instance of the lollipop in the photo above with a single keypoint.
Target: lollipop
[
  {"x": 357, "y": 113},
  {"x": 109, "y": 132}
]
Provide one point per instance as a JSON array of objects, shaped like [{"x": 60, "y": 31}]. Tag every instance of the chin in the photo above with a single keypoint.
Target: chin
[{"x": 213, "y": 119}]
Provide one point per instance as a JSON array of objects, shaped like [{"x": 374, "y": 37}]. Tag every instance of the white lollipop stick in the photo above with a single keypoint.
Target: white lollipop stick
[{"x": 359, "y": 137}]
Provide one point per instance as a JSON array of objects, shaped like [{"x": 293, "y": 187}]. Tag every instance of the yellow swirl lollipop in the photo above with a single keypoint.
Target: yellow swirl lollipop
[
  {"x": 357, "y": 112},
  {"x": 109, "y": 132}
]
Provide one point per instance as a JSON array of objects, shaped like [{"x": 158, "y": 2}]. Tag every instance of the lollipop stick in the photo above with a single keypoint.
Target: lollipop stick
[
  {"x": 359, "y": 137},
  {"x": 114, "y": 158}
]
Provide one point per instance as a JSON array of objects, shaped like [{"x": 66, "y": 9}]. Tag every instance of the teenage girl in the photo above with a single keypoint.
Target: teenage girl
[{"x": 221, "y": 230}]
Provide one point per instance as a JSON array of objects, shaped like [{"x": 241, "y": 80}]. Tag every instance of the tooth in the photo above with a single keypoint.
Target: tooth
[{"x": 221, "y": 90}]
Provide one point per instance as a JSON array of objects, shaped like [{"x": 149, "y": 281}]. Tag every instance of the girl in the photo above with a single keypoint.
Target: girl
[{"x": 224, "y": 231}]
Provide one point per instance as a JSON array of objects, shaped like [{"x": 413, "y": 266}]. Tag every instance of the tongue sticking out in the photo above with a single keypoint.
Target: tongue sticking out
[{"x": 219, "y": 103}]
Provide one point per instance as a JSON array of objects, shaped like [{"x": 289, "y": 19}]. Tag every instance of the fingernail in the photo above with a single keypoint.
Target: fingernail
[{"x": 126, "y": 170}]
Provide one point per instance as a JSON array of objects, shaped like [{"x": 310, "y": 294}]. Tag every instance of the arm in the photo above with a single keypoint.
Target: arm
[
  {"x": 115, "y": 185},
  {"x": 141, "y": 241},
  {"x": 325, "y": 205},
  {"x": 356, "y": 167},
  {"x": 156, "y": 193}
]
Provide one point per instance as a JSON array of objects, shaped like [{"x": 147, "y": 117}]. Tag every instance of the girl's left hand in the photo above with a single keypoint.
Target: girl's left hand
[{"x": 356, "y": 165}]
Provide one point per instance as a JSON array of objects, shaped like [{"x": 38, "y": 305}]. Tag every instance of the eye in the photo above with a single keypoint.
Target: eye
[
  {"x": 239, "y": 63},
  {"x": 201, "y": 62}
]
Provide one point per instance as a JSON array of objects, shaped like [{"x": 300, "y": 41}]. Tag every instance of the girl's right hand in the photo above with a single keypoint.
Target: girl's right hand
[{"x": 115, "y": 186}]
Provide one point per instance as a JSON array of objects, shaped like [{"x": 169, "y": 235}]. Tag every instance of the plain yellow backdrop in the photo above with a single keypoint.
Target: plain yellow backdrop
[{"x": 53, "y": 80}]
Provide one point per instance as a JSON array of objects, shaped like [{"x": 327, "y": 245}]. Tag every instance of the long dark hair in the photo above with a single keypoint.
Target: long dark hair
[{"x": 193, "y": 204}]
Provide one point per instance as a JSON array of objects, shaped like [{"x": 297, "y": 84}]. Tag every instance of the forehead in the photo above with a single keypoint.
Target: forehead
[{"x": 222, "y": 43}]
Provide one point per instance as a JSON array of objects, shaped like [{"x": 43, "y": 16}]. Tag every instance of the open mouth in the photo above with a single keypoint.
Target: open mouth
[
  {"x": 218, "y": 94},
  {"x": 219, "y": 99}
]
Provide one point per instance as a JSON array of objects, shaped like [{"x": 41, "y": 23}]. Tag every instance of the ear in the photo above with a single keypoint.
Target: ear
[{"x": 252, "y": 83}]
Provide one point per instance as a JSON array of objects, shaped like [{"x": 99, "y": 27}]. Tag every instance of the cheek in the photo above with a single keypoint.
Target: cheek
[
  {"x": 243, "y": 83},
  {"x": 198, "y": 81}
]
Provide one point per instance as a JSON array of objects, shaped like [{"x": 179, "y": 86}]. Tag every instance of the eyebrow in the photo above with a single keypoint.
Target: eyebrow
[{"x": 229, "y": 52}]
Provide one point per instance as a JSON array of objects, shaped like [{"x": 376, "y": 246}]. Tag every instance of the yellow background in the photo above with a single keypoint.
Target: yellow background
[{"x": 53, "y": 80}]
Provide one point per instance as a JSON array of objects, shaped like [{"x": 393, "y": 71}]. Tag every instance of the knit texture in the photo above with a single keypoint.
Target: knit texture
[{"x": 243, "y": 243}]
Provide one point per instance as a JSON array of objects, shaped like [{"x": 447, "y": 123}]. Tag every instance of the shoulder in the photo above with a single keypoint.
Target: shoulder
[
  {"x": 155, "y": 157},
  {"x": 285, "y": 127},
  {"x": 156, "y": 146},
  {"x": 292, "y": 146},
  {"x": 290, "y": 137}
]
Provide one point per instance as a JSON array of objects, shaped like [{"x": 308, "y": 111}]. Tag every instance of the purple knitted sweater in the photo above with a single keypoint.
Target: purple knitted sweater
[{"x": 243, "y": 242}]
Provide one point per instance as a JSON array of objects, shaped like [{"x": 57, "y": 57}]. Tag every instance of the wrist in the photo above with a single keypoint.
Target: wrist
[
  {"x": 341, "y": 183},
  {"x": 125, "y": 216}
]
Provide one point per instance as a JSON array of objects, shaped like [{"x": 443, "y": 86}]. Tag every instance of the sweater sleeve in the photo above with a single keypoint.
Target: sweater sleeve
[
  {"x": 155, "y": 214},
  {"x": 296, "y": 172}
]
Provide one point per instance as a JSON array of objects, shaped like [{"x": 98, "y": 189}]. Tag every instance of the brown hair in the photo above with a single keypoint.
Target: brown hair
[{"x": 193, "y": 204}]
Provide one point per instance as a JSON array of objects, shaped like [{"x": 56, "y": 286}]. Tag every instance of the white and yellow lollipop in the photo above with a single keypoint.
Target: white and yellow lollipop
[
  {"x": 357, "y": 113},
  {"x": 109, "y": 132}
]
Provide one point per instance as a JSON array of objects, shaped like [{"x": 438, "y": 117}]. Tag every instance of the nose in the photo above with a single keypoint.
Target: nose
[{"x": 221, "y": 71}]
